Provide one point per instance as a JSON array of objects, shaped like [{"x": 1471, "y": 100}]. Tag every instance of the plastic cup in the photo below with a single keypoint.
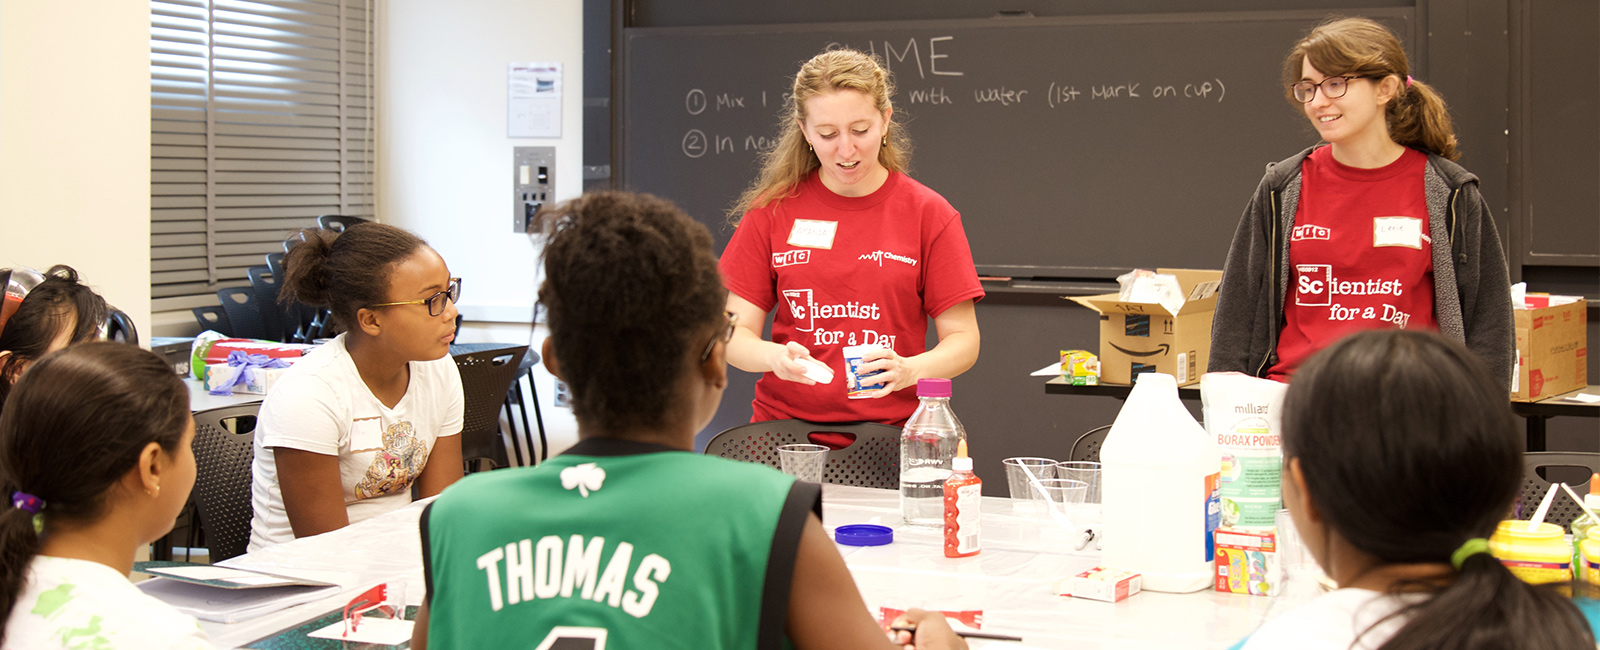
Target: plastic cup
[
  {"x": 804, "y": 462},
  {"x": 1063, "y": 495},
  {"x": 1299, "y": 567},
  {"x": 1023, "y": 497},
  {"x": 1089, "y": 473}
]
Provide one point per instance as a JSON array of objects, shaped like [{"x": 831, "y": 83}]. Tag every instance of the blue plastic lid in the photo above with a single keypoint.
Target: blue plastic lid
[{"x": 863, "y": 535}]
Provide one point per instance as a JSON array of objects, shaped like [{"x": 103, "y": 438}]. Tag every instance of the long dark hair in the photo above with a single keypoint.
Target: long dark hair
[
  {"x": 1408, "y": 448},
  {"x": 345, "y": 271},
  {"x": 630, "y": 284},
  {"x": 75, "y": 425},
  {"x": 1417, "y": 116},
  {"x": 43, "y": 315}
]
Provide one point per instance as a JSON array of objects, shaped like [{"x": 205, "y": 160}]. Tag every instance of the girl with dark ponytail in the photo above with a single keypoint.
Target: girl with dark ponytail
[
  {"x": 1400, "y": 458},
  {"x": 95, "y": 462},
  {"x": 57, "y": 312},
  {"x": 353, "y": 426},
  {"x": 1377, "y": 229}
]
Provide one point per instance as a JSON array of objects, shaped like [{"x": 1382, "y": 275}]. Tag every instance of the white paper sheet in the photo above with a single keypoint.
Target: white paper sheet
[
  {"x": 533, "y": 100},
  {"x": 1047, "y": 371},
  {"x": 208, "y": 573},
  {"x": 385, "y": 631}
]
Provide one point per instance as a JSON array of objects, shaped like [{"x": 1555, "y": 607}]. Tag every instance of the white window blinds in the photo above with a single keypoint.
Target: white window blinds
[{"x": 261, "y": 119}]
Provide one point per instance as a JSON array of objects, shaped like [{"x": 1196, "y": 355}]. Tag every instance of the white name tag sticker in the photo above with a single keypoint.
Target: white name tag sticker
[
  {"x": 813, "y": 234},
  {"x": 366, "y": 434},
  {"x": 1397, "y": 231}
]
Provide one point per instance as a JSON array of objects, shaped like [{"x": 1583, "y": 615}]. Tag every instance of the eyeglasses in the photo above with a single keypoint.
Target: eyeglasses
[
  {"x": 435, "y": 302},
  {"x": 1332, "y": 88},
  {"x": 724, "y": 335}
]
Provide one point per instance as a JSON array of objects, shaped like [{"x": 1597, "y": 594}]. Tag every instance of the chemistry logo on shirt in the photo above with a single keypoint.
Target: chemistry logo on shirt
[
  {"x": 1311, "y": 232},
  {"x": 880, "y": 256}
]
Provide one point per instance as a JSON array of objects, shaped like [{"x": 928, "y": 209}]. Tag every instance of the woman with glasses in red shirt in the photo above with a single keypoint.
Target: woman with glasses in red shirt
[{"x": 1378, "y": 228}]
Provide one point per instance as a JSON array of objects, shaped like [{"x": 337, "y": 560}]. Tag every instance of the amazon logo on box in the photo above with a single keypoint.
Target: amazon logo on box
[{"x": 1149, "y": 337}]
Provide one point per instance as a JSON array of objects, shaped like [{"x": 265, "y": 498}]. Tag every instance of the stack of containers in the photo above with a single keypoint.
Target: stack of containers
[{"x": 1243, "y": 414}]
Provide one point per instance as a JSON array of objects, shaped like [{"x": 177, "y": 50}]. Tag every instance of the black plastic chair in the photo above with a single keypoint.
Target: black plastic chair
[
  {"x": 486, "y": 376},
  {"x": 297, "y": 316},
  {"x": 223, "y": 452},
  {"x": 1535, "y": 482},
  {"x": 1087, "y": 446},
  {"x": 212, "y": 317},
  {"x": 243, "y": 312},
  {"x": 338, "y": 222},
  {"x": 514, "y": 398},
  {"x": 265, "y": 287},
  {"x": 119, "y": 328},
  {"x": 871, "y": 460}
]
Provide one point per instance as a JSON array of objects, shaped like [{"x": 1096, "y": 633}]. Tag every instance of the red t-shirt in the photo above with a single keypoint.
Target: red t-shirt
[
  {"x": 1359, "y": 256},
  {"x": 845, "y": 271}
]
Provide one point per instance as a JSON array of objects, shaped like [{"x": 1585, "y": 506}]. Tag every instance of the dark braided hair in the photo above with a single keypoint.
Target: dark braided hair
[
  {"x": 630, "y": 285},
  {"x": 345, "y": 271},
  {"x": 43, "y": 315},
  {"x": 75, "y": 425}
]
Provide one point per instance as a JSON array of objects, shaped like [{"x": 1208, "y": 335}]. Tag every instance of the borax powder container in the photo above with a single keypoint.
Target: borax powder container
[{"x": 1538, "y": 556}]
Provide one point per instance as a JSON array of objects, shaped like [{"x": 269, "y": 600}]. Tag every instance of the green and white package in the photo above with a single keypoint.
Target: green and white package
[{"x": 1242, "y": 413}]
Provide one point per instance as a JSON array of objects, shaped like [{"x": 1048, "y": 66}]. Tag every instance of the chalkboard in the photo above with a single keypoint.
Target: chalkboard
[{"x": 1074, "y": 147}]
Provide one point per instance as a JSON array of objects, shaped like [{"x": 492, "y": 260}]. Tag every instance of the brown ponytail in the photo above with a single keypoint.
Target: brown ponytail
[
  {"x": 1416, "y": 117},
  {"x": 345, "y": 271},
  {"x": 74, "y": 425}
]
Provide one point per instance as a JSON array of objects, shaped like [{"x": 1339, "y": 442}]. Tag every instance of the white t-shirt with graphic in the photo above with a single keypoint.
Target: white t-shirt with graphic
[
  {"x": 321, "y": 405},
  {"x": 1332, "y": 621},
  {"x": 82, "y": 604}
]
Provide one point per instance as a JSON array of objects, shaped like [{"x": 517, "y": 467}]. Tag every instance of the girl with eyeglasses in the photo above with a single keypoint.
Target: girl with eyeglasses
[
  {"x": 1376, "y": 229},
  {"x": 349, "y": 429}
]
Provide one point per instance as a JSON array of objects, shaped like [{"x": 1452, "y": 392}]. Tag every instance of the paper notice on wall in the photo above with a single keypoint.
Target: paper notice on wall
[{"x": 533, "y": 100}]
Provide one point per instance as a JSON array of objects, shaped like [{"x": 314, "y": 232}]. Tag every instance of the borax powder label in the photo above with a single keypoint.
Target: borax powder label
[{"x": 1242, "y": 414}]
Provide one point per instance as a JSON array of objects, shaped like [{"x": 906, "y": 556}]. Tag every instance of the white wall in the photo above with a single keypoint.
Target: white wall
[
  {"x": 75, "y": 143},
  {"x": 444, "y": 160}
]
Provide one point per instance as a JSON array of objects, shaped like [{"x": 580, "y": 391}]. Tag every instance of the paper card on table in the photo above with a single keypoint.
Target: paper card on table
[
  {"x": 203, "y": 572},
  {"x": 1048, "y": 371},
  {"x": 261, "y": 581},
  {"x": 386, "y": 631}
]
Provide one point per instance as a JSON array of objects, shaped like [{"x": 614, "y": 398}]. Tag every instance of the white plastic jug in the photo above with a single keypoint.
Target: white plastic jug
[{"x": 1159, "y": 490}]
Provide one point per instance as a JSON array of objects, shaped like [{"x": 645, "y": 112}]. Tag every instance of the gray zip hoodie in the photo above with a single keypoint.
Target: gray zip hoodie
[{"x": 1472, "y": 290}]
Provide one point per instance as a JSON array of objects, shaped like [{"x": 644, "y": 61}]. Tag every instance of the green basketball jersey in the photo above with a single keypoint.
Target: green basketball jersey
[{"x": 615, "y": 544}]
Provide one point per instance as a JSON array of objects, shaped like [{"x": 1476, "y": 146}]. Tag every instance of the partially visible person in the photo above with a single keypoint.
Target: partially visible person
[
  {"x": 630, "y": 536},
  {"x": 1400, "y": 458},
  {"x": 95, "y": 462},
  {"x": 352, "y": 427},
  {"x": 55, "y": 313},
  {"x": 1378, "y": 229},
  {"x": 847, "y": 250}
]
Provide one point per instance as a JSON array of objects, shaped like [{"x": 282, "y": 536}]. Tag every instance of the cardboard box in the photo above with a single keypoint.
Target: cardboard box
[
  {"x": 1247, "y": 561},
  {"x": 1101, "y": 583},
  {"x": 1140, "y": 337},
  {"x": 1552, "y": 351}
]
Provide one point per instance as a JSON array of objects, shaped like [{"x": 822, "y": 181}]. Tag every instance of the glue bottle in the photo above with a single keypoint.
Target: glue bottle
[
  {"x": 1583, "y": 529},
  {"x": 1159, "y": 490},
  {"x": 963, "y": 498}
]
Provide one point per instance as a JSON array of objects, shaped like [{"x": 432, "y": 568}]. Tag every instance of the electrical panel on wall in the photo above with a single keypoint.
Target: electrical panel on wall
[{"x": 534, "y": 180}]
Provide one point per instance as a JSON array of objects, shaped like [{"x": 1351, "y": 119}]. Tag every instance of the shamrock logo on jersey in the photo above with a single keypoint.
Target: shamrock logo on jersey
[{"x": 587, "y": 477}]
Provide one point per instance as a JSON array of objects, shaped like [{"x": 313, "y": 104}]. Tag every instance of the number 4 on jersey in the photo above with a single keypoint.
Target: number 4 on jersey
[{"x": 574, "y": 638}]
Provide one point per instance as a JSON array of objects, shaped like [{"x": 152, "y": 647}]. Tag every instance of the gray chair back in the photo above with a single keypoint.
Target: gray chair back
[
  {"x": 1535, "y": 482},
  {"x": 1087, "y": 446},
  {"x": 223, "y": 452},
  {"x": 872, "y": 459},
  {"x": 486, "y": 376}
]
